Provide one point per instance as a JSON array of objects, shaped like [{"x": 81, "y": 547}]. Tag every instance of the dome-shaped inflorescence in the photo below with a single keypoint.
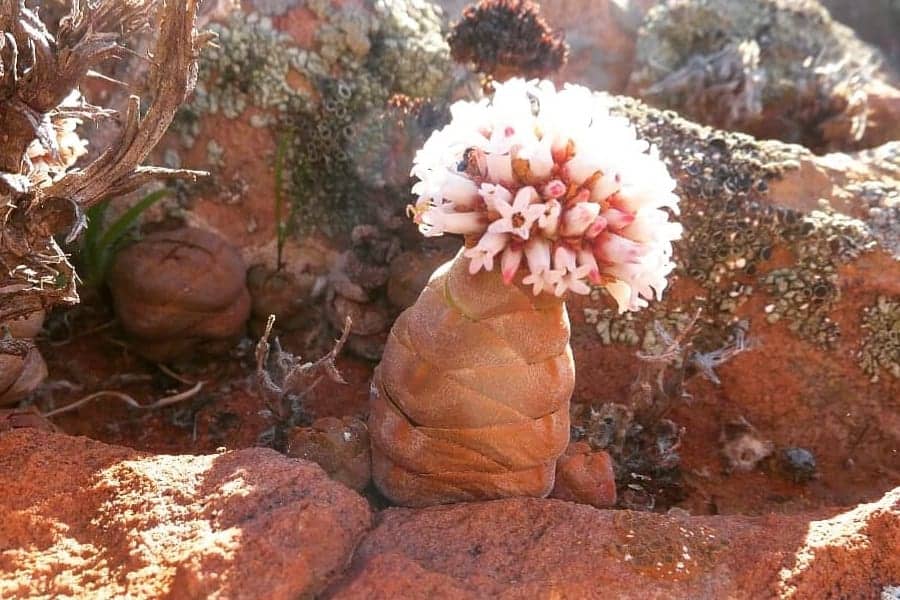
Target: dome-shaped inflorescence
[{"x": 548, "y": 181}]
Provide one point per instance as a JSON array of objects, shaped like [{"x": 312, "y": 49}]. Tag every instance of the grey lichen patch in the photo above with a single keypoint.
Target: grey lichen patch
[
  {"x": 806, "y": 293},
  {"x": 274, "y": 8},
  {"x": 776, "y": 68},
  {"x": 883, "y": 220},
  {"x": 732, "y": 236},
  {"x": 880, "y": 351},
  {"x": 327, "y": 102}
]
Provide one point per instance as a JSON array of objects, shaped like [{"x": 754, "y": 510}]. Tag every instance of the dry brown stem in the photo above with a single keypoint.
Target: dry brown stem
[
  {"x": 37, "y": 72},
  {"x": 161, "y": 403}
]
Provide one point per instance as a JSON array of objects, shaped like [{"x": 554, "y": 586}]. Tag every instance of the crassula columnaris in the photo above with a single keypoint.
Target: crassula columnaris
[{"x": 552, "y": 195}]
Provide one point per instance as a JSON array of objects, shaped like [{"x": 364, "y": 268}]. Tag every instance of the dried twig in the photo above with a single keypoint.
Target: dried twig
[
  {"x": 37, "y": 72},
  {"x": 649, "y": 393},
  {"x": 161, "y": 403},
  {"x": 289, "y": 376}
]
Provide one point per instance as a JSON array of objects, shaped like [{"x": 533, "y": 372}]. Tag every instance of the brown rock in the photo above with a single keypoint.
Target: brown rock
[
  {"x": 368, "y": 318},
  {"x": 21, "y": 418},
  {"x": 585, "y": 476},
  {"x": 528, "y": 548},
  {"x": 339, "y": 446},
  {"x": 174, "y": 291},
  {"x": 281, "y": 293},
  {"x": 83, "y": 519},
  {"x": 20, "y": 374},
  {"x": 410, "y": 272}
]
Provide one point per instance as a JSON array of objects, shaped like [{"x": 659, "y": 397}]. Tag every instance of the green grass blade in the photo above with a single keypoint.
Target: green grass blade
[
  {"x": 121, "y": 225},
  {"x": 90, "y": 245}
]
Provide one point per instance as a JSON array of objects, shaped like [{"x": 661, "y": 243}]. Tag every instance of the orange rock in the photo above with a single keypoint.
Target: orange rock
[
  {"x": 85, "y": 519},
  {"x": 471, "y": 400},
  {"x": 585, "y": 476},
  {"x": 530, "y": 548}
]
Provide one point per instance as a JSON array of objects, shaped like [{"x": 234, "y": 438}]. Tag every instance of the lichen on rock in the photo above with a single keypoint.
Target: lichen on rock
[
  {"x": 774, "y": 68},
  {"x": 319, "y": 77},
  {"x": 741, "y": 242},
  {"x": 880, "y": 351}
]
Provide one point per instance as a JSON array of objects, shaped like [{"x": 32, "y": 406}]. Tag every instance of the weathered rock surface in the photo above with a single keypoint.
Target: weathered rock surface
[
  {"x": 525, "y": 548},
  {"x": 799, "y": 255},
  {"x": 83, "y": 519},
  {"x": 725, "y": 63}
]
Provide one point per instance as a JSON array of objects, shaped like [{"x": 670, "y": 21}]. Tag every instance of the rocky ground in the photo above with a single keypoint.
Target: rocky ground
[
  {"x": 758, "y": 457},
  {"x": 83, "y": 518}
]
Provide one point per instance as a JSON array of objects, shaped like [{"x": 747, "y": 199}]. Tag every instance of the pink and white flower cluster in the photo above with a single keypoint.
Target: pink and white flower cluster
[{"x": 548, "y": 180}]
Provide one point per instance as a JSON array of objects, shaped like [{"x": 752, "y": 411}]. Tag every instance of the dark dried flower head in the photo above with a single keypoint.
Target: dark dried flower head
[{"x": 507, "y": 38}]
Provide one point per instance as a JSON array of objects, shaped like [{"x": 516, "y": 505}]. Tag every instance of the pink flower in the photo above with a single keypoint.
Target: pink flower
[
  {"x": 436, "y": 221},
  {"x": 578, "y": 218},
  {"x": 555, "y": 189},
  {"x": 482, "y": 255},
  {"x": 518, "y": 217},
  {"x": 573, "y": 281},
  {"x": 537, "y": 254},
  {"x": 509, "y": 262},
  {"x": 548, "y": 221},
  {"x": 612, "y": 248},
  {"x": 617, "y": 219},
  {"x": 499, "y": 168},
  {"x": 550, "y": 177}
]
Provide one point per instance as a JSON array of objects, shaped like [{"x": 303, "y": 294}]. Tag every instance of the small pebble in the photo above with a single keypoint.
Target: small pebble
[{"x": 798, "y": 463}]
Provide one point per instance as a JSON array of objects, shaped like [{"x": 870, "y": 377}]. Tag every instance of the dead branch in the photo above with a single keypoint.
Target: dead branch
[{"x": 37, "y": 72}]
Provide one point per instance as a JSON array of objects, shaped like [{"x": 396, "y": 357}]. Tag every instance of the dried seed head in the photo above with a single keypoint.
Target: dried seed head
[{"x": 507, "y": 38}]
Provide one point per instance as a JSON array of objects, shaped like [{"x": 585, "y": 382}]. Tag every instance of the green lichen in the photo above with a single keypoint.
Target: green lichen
[
  {"x": 732, "y": 236},
  {"x": 880, "y": 350},
  {"x": 330, "y": 98}
]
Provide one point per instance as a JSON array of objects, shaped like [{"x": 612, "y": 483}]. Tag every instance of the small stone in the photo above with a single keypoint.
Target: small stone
[
  {"x": 797, "y": 463},
  {"x": 339, "y": 446},
  {"x": 585, "y": 476}
]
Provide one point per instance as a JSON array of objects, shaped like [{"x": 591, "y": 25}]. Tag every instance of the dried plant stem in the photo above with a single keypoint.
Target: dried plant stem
[
  {"x": 288, "y": 375},
  {"x": 161, "y": 403},
  {"x": 35, "y": 274},
  {"x": 175, "y": 375}
]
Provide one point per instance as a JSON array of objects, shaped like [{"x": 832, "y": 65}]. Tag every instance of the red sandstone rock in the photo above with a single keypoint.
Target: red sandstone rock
[
  {"x": 525, "y": 548},
  {"x": 585, "y": 476},
  {"x": 83, "y": 519}
]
